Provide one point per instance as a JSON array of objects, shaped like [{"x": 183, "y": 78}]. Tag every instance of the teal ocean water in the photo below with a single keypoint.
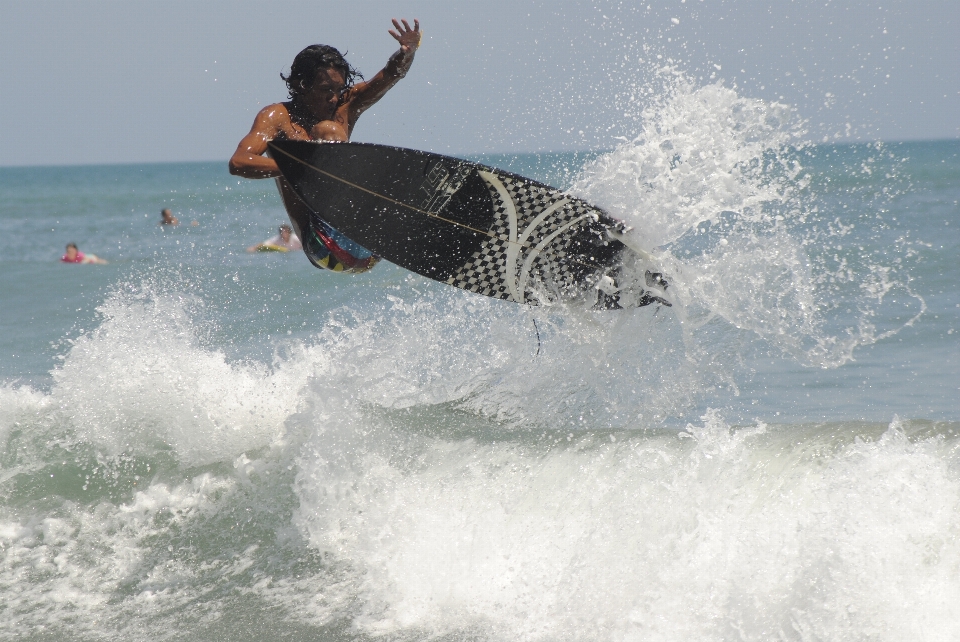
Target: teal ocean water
[{"x": 198, "y": 443}]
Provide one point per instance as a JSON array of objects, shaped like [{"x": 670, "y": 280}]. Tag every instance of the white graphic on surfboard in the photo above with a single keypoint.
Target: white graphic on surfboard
[
  {"x": 517, "y": 282},
  {"x": 529, "y": 222}
]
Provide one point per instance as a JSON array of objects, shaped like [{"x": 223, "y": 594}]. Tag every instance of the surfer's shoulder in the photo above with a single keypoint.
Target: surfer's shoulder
[
  {"x": 273, "y": 121},
  {"x": 276, "y": 113}
]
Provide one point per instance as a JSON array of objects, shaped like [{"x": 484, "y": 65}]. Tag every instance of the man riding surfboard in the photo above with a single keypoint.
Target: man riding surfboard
[{"x": 325, "y": 103}]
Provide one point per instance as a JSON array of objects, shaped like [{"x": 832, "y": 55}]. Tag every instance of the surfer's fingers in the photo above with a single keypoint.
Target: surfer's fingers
[
  {"x": 416, "y": 25},
  {"x": 396, "y": 36},
  {"x": 396, "y": 24},
  {"x": 406, "y": 24}
]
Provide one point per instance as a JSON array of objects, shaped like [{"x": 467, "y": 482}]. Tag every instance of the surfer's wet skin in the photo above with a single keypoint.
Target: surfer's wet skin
[{"x": 474, "y": 227}]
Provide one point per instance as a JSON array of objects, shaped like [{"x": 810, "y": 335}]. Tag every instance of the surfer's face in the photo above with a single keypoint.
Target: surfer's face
[{"x": 327, "y": 89}]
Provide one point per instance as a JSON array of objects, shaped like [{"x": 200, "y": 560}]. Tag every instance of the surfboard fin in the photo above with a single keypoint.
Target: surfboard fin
[
  {"x": 609, "y": 294},
  {"x": 656, "y": 280}
]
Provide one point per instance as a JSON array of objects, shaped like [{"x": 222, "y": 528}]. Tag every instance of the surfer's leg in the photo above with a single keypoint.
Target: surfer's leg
[{"x": 297, "y": 210}]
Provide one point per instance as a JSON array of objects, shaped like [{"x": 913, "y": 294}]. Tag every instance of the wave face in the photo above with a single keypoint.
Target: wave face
[{"x": 200, "y": 444}]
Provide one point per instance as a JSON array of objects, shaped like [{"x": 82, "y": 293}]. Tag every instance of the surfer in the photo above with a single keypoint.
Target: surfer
[
  {"x": 284, "y": 241},
  {"x": 74, "y": 255},
  {"x": 325, "y": 103}
]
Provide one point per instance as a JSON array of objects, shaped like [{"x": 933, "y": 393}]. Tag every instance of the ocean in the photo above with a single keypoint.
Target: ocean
[{"x": 200, "y": 443}]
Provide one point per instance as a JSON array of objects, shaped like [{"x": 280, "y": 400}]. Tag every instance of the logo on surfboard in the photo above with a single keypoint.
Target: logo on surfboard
[{"x": 440, "y": 184}]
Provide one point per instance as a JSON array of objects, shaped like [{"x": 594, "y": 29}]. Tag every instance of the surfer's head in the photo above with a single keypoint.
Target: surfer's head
[{"x": 303, "y": 71}]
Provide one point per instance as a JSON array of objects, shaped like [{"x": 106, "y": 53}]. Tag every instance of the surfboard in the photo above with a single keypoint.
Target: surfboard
[{"x": 469, "y": 225}]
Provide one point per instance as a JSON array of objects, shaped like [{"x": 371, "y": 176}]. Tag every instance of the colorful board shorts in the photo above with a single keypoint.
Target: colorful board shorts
[{"x": 330, "y": 250}]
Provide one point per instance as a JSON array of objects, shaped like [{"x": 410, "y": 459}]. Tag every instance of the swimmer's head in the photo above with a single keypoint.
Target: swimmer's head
[
  {"x": 308, "y": 62},
  {"x": 72, "y": 251},
  {"x": 167, "y": 217},
  {"x": 285, "y": 231}
]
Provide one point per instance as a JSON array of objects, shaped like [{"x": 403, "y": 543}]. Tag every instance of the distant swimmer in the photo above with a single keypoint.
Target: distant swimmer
[
  {"x": 325, "y": 103},
  {"x": 167, "y": 218},
  {"x": 74, "y": 255},
  {"x": 284, "y": 241}
]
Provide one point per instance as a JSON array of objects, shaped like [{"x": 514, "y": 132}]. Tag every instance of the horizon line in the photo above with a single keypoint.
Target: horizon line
[{"x": 597, "y": 150}]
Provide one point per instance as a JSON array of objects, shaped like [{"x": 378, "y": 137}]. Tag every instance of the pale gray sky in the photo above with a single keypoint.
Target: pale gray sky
[{"x": 144, "y": 81}]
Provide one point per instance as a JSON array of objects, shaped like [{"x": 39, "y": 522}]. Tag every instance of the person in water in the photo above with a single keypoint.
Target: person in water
[
  {"x": 167, "y": 218},
  {"x": 284, "y": 241},
  {"x": 325, "y": 102},
  {"x": 73, "y": 255}
]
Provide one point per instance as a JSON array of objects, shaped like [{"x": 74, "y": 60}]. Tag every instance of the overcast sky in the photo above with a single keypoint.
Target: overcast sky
[{"x": 144, "y": 81}]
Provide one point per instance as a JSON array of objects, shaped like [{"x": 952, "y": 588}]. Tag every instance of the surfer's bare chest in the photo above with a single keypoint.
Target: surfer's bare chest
[{"x": 335, "y": 129}]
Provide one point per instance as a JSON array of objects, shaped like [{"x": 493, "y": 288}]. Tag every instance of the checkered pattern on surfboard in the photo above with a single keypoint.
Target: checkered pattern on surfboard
[{"x": 486, "y": 270}]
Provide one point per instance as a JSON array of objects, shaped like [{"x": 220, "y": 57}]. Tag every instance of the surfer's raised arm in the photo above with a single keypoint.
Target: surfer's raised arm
[{"x": 365, "y": 94}]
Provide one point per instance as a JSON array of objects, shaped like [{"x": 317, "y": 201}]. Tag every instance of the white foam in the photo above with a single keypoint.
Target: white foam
[
  {"x": 17, "y": 405},
  {"x": 141, "y": 381},
  {"x": 719, "y": 536},
  {"x": 68, "y": 569}
]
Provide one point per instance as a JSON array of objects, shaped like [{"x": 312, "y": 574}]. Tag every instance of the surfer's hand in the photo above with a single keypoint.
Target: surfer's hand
[{"x": 408, "y": 38}]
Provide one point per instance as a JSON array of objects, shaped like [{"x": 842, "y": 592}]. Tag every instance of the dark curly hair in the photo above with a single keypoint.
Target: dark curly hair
[{"x": 304, "y": 69}]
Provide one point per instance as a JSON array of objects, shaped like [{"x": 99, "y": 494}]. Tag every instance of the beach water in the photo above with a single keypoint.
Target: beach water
[{"x": 198, "y": 443}]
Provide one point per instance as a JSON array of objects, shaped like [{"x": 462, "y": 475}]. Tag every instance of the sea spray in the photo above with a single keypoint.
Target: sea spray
[
  {"x": 698, "y": 153},
  {"x": 719, "y": 182}
]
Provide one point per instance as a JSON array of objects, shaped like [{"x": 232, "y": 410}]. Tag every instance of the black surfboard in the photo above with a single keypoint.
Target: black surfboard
[{"x": 472, "y": 226}]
